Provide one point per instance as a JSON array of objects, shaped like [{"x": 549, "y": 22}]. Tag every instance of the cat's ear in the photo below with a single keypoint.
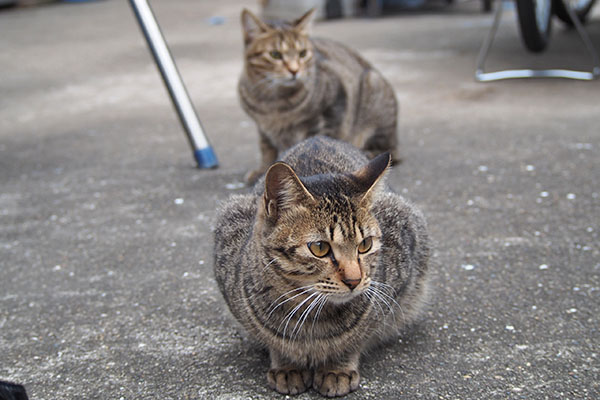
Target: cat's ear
[
  {"x": 370, "y": 177},
  {"x": 304, "y": 23},
  {"x": 252, "y": 26},
  {"x": 283, "y": 190}
]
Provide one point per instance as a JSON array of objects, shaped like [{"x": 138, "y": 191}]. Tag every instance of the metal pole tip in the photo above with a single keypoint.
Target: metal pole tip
[{"x": 206, "y": 158}]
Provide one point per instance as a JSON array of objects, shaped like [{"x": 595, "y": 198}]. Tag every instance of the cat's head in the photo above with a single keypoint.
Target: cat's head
[
  {"x": 321, "y": 230},
  {"x": 280, "y": 54}
]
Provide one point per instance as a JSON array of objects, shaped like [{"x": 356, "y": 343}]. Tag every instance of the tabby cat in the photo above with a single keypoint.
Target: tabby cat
[
  {"x": 295, "y": 86},
  {"x": 320, "y": 263}
]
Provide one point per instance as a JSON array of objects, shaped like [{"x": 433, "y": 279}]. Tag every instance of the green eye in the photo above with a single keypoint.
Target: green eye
[
  {"x": 276, "y": 55},
  {"x": 365, "y": 245},
  {"x": 319, "y": 249},
  {"x": 302, "y": 53}
]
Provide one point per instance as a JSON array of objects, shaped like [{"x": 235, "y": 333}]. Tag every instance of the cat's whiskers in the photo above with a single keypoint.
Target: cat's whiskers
[
  {"x": 305, "y": 289},
  {"x": 270, "y": 262},
  {"x": 290, "y": 315},
  {"x": 268, "y": 83},
  {"x": 373, "y": 300},
  {"x": 304, "y": 315},
  {"x": 381, "y": 299},
  {"x": 323, "y": 300},
  {"x": 388, "y": 287},
  {"x": 385, "y": 295},
  {"x": 377, "y": 293}
]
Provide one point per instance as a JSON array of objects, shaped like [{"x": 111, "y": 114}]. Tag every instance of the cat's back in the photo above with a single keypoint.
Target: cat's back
[
  {"x": 323, "y": 155},
  {"x": 233, "y": 227},
  {"x": 333, "y": 54},
  {"x": 319, "y": 155}
]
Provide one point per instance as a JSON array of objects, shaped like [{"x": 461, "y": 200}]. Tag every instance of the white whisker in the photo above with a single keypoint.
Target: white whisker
[
  {"x": 305, "y": 289},
  {"x": 374, "y": 300},
  {"x": 304, "y": 315},
  {"x": 390, "y": 287},
  {"x": 316, "y": 317},
  {"x": 384, "y": 295},
  {"x": 289, "y": 316},
  {"x": 270, "y": 262},
  {"x": 379, "y": 296}
]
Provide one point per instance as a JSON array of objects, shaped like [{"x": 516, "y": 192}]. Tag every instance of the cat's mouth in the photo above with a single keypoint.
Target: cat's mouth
[
  {"x": 341, "y": 298},
  {"x": 291, "y": 81}
]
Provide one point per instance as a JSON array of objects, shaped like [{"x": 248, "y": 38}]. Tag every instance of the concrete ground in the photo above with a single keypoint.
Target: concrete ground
[{"x": 106, "y": 284}]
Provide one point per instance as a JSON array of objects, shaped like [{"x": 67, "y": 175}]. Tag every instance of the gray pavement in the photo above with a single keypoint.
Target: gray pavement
[{"x": 106, "y": 285}]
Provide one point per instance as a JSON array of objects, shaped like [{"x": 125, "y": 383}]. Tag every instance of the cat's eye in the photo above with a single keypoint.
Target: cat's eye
[
  {"x": 365, "y": 245},
  {"x": 319, "y": 249},
  {"x": 276, "y": 55},
  {"x": 302, "y": 53}
]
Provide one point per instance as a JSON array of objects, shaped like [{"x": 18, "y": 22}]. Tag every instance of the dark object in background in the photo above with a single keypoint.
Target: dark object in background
[
  {"x": 7, "y": 3},
  {"x": 12, "y": 391},
  {"x": 333, "y": 9},
  {"x": 581, "y": 9}
]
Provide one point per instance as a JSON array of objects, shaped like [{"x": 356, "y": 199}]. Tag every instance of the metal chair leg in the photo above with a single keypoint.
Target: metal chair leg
[
  {"x": 203, "y": 152},
  {"x": 482, "y": 76}
]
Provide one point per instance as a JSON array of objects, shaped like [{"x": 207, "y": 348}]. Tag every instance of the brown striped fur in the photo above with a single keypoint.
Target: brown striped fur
[
  {"x": 294, "y": 86},
  {"x": 297, "y": 304}
]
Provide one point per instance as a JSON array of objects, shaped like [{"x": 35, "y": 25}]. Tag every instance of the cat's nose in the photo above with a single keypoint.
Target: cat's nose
[
  {"x": 351, "y": 283},
  {"x": 293, "y": 67}
]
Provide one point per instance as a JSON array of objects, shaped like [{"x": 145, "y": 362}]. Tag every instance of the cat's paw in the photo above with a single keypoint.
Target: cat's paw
[
  {"x": 289, "y": 380},
  {"x": 332, "y": 383}
]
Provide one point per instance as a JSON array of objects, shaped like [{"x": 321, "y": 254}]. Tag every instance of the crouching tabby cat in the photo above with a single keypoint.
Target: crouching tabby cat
[
  {"x": 295, "y": 86},
  {"x": 320, "y": 263}
]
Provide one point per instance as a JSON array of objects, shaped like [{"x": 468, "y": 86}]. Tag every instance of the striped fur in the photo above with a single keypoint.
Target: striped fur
[
  {"x": 296, "y": 304},
  {"x": 311, "y": 87}
]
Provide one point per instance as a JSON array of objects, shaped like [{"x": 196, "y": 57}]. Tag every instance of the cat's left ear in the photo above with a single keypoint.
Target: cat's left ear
[
  {"x": 304, "y": 23},
  {"x": 371, "y": 177}
]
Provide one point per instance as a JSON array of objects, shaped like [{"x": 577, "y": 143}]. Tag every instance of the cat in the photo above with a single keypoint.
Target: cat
[
  {"x": 295, "y": 86},
  {"x": 321, "y": 262}
]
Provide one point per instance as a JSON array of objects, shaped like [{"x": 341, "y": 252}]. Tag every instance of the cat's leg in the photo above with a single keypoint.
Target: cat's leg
[
  {"x": 287, "y": 378},
  {"x": 339, "y": 379},
  {"x": 377, "y": 119},
  {"x": 269, "y": 155},
  {"x": 381, "y": 140}
]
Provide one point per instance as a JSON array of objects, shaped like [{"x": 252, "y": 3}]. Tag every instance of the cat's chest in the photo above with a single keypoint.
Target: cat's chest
[
  {"x": 291, "y": 123},
  {"x": 285, "y": 132},
  {"x": 288, "y": 124}
]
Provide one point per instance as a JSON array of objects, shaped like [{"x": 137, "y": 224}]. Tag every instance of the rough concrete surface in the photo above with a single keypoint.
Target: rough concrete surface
[{"x": 106, "y": 284}]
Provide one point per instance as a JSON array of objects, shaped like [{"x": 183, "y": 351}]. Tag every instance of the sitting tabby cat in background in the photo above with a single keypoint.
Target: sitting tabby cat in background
[
  {"x": 320, "y": 263},
  {"x": 295, "y": 86}
]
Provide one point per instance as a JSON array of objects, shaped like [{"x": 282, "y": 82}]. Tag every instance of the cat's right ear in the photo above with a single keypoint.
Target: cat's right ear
[
  {"x": 370, "y": 177},
  {"x": 252, "y": 26},
  {"x": 283, "y": 190}
]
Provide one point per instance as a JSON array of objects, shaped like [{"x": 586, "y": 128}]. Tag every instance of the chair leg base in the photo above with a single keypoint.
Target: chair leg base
[{"x": 482, "y": 76}]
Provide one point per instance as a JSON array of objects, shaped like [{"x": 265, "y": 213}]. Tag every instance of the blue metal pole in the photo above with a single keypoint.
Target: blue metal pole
[{"x": 203, "y": 152}]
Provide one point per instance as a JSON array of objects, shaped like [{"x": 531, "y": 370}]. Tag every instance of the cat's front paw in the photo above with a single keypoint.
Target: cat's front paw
[
  {"x": 332, "y": 383},
  {"x": 289, "y": 380}
]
